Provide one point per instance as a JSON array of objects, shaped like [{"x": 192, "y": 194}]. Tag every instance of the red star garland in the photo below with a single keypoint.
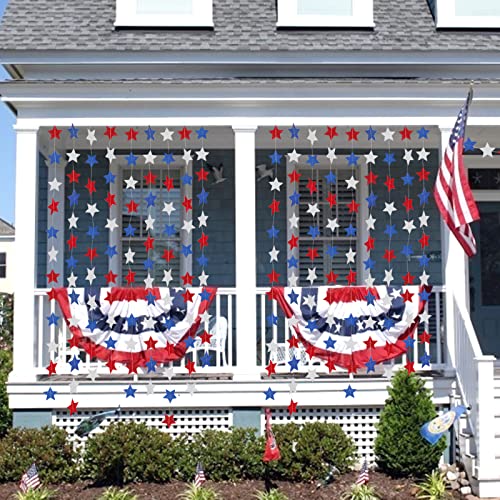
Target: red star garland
[
  {"x": 389, "y": 255},
  {"x": 369, "y": 243},
  {"x": 406, "y": 134},
  {"x": 90, "y": 186},
  {"x": 130, "y": 277},
  {"x": 423, "y": 175},
  {"x": 51, "y": 294},
  {"x": 187, "y": 296},
  {"x": 294, "y": 176},
  {"x": 371, "y": 178},
  {"x": 205, "y": 337},
  {"x": 111, "y": 364},
  {"x": 202, "y": 175},
  {"x": 389, "y": 183},
  {"x": 293, "y": 242},
  {"x": 353, "y": 207},
  {"x": 73, "y": 177},
  {"x": 293, "y": 342},
  {"x": 187, "y": 279},
  {"x": 292, "y": 407},
  {"x": 91, "y": 254},
  {"x": 52, "y": 368},
  {"x": 132, "y": 366},
  {"x": 149, "y": 243},
  {"x": 110, "y": 199},
  {"x": 425, "y": 337},
  {"x": 72, "y": 242},
  {"x": 409, "y": 367},
  {"x": 150, "y": 343},
  {"x": 332, "y": 277},
  {"x": 331, "y": 199},
  {"x": 351, "y": 277},
  {"x": 275, "y": 133},
  {"x": 273, "y": 277},
  {"x": 408, "y": 279},
  {"x": 132, "y": 207},
  {"x": 169, "y": 183},
  {"x": 150, "y": 178},
  {"x": 73, "y": 408},
  {"x": 312, "y": 254},
  {"x": 312, "y": 186},
  {"x": 110, "y": 132},
  {"x": 408, "y": 204},
  {"x": 53, "y": 207},
  {"x": 52, "y": 277},
  {"x": 168, "y": 255},
  {"x": 330, "y": 365},
  {"x": 271, "y": 368},
  {"x": 132, "y": 134},
  {"x": 169, "y": 420},
  {"x": 331, "y": 132},
  {"x": 187, "y": 204},
  {"x": 191, "y": 367},
  {"x": 407, "y": 296},
  {"x": 55, "y": 133},
  {"x": 370, "y": 343},
  {"x": 185, "y": 134},
  {"x": 74, "y": 342},
  {"x": 352, "y": 135}
]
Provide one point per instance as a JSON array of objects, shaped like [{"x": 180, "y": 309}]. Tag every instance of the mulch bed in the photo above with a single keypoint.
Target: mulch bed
[{"x": 386, "y": 488}]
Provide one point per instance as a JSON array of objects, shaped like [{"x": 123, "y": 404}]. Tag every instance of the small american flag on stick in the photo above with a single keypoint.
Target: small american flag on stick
[
  {"x": 199, "y": 478},
  {"x": 364, "y": 476},
  {"x": 30, "y": 479}
]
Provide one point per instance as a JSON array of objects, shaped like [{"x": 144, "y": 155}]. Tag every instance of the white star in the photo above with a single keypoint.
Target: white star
[
  {"x": 90, "y": 275},
  {"x": 169, "y": 207},
  {"x": 350, "y": 255},
  {"x": 292, "y": 385},
  {"x": 311, "y": 373},
  {"x": 191, "y": 388},
  {"x": 73, "y": 156},
  {"x": 187, "y": 156},
  {"x": 130, "y": 183},
  {"x": 188, "y": 226},
  {"x": 313, "y": 209},
  {"x": 309, "y": 301},
  {"x": 272, "y": 347},
  {"x": 273, "y": 254},
  {"x": 332, "y": 225},
  {"x": 350, "y": 344},
  {"x": 408, "y": 157},
  {"x": 331, "y": 155},
  {"x": 388, "y": 135},
  {"x": 111, "y": 224},
  {"x": 52, "y": 253},
  {"x": 111, "y": 321},
  {"x": 92, "y": 303},
  {"x": 150, "y": 388},
  {"x": 203, "y": 278},
  {"x": 202, "y": 220},
  {"x": 312, "y": 137},
  {"x": 311, "y": 275},
  {"x": 52, "y": 346},
  {"x": 91, "y": 136},
  {"x": 293, "y": 157},
  {"x": 167, "y": 276},
  {"x": 205, "y": 317},
  {"x": 424, "y": 278},
  {"x": 390, "y": 208},
  {"x": 275, "y": 185},
  {"x": 110, "y": 154},
  {"x": 131, "y": 343},
  {"x": 425, "y": 316},
  {"x": 73, "y": 322},
  {"x": 150, "y": 223},
  {"x": 370, "y": 223},
  {"x": 352, "y": 183},
  {"x": 369, "y": 281},
  {"x": 370, "y": 158},
  {"x": 72, "y": 221},
  {"x": 292, "y": 279},
  {"x": 169, "y": 372},
  {"x": 202, "y": 154},
  {"x": 167, "y": 135},
  {"x": 369, "y": 323},
  {"x": 73, "y": 386},
  {"x": 487, "y": 151},
  {"x": 129, "y": 256},
  {"x": 149, "y": 158},
  {"x": 388, "y": 371},
  {"x": 72, "y": 280},
  {"x": 423, "y": 219},
  {"x": 294, "y": 222},
  {"x": 54, "y": 184},
  {"x": 148, "y": 282},
  {"x": 388, "y": 277},
  {"x": 92, "y": 209},
  {"x": 423, "y": 154},
  {"x": 409, "y": 226}
]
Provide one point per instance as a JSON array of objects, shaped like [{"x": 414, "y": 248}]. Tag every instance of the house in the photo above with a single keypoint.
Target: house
[
  {"x": 7, "y": 236},
  {"x": 335, "y": 103}
]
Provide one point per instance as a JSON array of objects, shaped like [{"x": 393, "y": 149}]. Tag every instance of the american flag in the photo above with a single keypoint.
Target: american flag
[
  {"x": 452, "y": 191},
  {"x": 200, "y": 478},
  {"x": 363, "y": 477},
  {"x": 30, "y": 479}
]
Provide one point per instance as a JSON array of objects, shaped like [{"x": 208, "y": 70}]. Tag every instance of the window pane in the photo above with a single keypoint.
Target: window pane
[
  {"x": 325, "y": 7},
  {"x": 3, "y": 257},
  {"x": 477, "y": 8},
  {"x": 164, "y": 6}
]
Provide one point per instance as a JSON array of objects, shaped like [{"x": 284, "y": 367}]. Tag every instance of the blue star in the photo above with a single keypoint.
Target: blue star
[
  {"x": 272, "y": 320},
  {"x": 370, "y": 365},
  {"x": 110, "y": 343},
  {"x": 150, "y": 134},
  {"x": 293, "y": 262},
  {"x": 329, "y": 343},
  {"x": 50, "y": 394},
  {"x": 93, "y": 231},
  {"x": 131, "y": 321},
  {"x": 55, "y": 157},
  {"x": 295, "y": 198},
  {"x": 205, "y": 360},
  {"x": 73, "y": 198},
  {"x": 313, "y": 232},
  {"x": 423, "y": 133},
  {"x": 349, "y": 391},
  {"x": 371, "y": 134},
  {"x": 331, "y": 178},
  {"x": 351, "y": 320},
  {"x": 169, "y": 229},
  {"x": 275, "y": 158},
  {"x": 331, "y": 251},
  {"x": 92, "y": 325},
  {"x": 312, "y": 324},
  {"x": 273, "y": 232},
  {"x": 52, "y": 232},
  {"x": 388, "y": 323},
  {"x": 369, "y": 263},
  {"x": 202, "y": 260},
  {"x": 92, "y": 160},
  {"x": 189, "y": 341},
  {"x": 169, "y": 323},
  {"x": 74, "y": 297},
  {"x": 131, "y": 159},
  {"x": 111, "y": 251},
  {"x": 424, "y": 295},
  {"x": 73, "y": 132},
  {"x": 53, "y": 319},
  {"x": 71, "y": 262},
  {"x": 74, "y": 362},
  {"x": 370, "y": 298},
  {"x": 294, "y": 132},
  {"x": 423, "y": 260},
  {"x": 407, "y": 251},
  {"x": 129, "y": 230},
  {"x": 424, "y": 197},
  {"x": 293, "y": 297},
  {"x": 170, "y": 395},
  {"x": 187, "y": 179},
  {"x": 408, "y": 180},
  {"x": 110, "y": 178},
  {"x": 409, "y": 341},
  {"x": 150, "y": 199},
  {"x": 151, "y": 298},
  {"x": 205, "y": 295},
  {"x": 151, "y": 364},
  {"x": 168, "y": 158},
  {"x": 294, "y": 364},
  {"x": 425, "y": 359},
  {"x": 312, "y": 160},
  {"x": 390, "y": 230},
  {"x": 202, "y": 133},
  {"x": 352, "y": 159},
  {"x": 350, "y": 230},
  {"x": 469, "y": 144},
  {"x": 148, "y": 264},
  {"x": 269, "y": 394},
  {"x": 130, "y": 392},
  {"x": 202, "y": 196},
  {"x": 389, "y": 159},
  {"x": 372, "y": 200},
  {"x": 186, "y": 250}
]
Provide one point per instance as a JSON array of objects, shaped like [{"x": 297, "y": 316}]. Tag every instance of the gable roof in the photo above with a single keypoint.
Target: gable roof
[
  {"x": 6, "y": 229},
  {"x": 243, "y": 25}
]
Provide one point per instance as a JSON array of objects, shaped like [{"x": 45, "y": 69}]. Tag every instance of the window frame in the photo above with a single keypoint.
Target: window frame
[
  {"x": 447, "y": 18},
  {"x": 288, "y": 16},
  {"x": 201, "y": 17},
  {"x": 3, "y": 266}
]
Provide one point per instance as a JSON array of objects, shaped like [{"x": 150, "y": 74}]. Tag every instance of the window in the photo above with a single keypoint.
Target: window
[
  {"x": 3, "y": 265},
  {"x": 164, "y": 13},
  {"x": 467, "y": 14},
  {"x": 325, "y": 13}
]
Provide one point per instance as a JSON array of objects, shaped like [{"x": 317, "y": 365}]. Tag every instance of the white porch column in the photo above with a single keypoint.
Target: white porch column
[
  {"x": 25, "y": 255},
  {"x": 246, "y": 266}
]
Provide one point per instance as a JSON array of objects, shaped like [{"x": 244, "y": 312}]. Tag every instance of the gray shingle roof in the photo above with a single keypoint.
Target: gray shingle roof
[
  {"x": 239, "y": 25},
  {"x": 6, "y": 229}
]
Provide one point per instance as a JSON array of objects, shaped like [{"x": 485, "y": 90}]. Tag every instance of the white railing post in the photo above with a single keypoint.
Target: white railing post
[
  {"x": 25, "y": 255},
  {"x": 246, "y": 266}
]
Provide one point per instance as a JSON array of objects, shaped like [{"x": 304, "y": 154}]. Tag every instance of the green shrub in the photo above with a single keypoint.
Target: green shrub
[
  {"x": 39, "y": 494},
  {"x": 130, "y": 452},
  {"x": 198, "y": 493},
  {"x": 399, "y": 447},
  {"x": 48, "y": 447},
  {"x": 5, "y": 413},
  {"x": 309, "y": 451},
  {"x": 360, "y": 492},
  {"x": 116, "y": 494},
  {"x": 433, "y": 488},
  {"x": 274, "y": 494}
]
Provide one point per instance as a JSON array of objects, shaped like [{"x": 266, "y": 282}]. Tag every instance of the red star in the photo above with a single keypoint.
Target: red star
[
  {"x": 293, "y": 242},
  {"x": 185, "y": 134},
  {"x": 73, "y": 177},
  {"x": 311, "y": 351},
  {"x": 169, "y": 183},
  {"x": 150, "y": 178},
  {"x": 425, "y": 337},
  {"x": 190, "y": 365},
  {"x": 130, "y": 278},
  {"x": 408, "y": 204},
  {"x": 352, "y": 368},
  {"x": 187, "y": 296},
  {"x": 72, "y": 242},
  {"x": 353, "y": 207},
  {"x": 90, "y": 186},
  {"x": 169, "y": 420},
  {"x": 132, "y": 366},
  {"x": 74, "y": 342},
  {"x": 271, "y": 368},
  {"x": 370, "y": 343},
  {"x": 295, "y": 176},
  {"x": 273, "y": 277},
  {"x": 371, "y": 178},
  {"x": 370, "y": 243},
  {"x": 276, "y": 133},
  {"x": 332, "y": 277},
  {"x": 52, "y": 277},
  {"x": 168, "y": 255},
  {"x": 330, "y": 365},
  {"x": 51, "y": 294},
  {"x": 424, "y": 240},
  {"x": 205, "y": 337},
  {"x": 91, "y": 253},
  {"x": 55, "y": 133},
  {"x": 203, "y": 240},
  {"x": 149, "y": 243},
  {"x": 406, "y": 134},
  {"x": 52, "y": 368},
  {"x": 352, "y": 135},
  {"x": 409, "y": 367},
  {"x": 54, "y": 206},
  {"x": 202, "y": 175},
  {"x": 389, "y": 348},
  {"x": 110, "y": 277},
  {"x": 132, "y": 134},
  {"x": 72, "y": 408},
  {"x": 423, "y": 175},
  {"x": 150, "y": 343},
  {"x": 293, "y": 341},
  {"x": 331, "y": 132},
  {"x": 331, "y": 199},
  {"x": 187, "y": 204},
  {"x": 110, "y": 132},
  {"x": 110, "y": 199},
  {"x": 389, "y": 182},
  {"x": 111, "y": 364},
  {"x": 169, "y": 348},
  {"x": 389, "y": 255},
  {"x": 408, "y": 279},
  {"x": 187, "y": 279},
  {"x": 274, "y": 206},
  {"x": 407, "y": 296},
  {"x": 351, "y": 277},
  {"x": 292, "y": 407},
  {"x": 312, "y": 253},
  {"x": 132, "y": 207},
  {"x": 311, "y": 185}
]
